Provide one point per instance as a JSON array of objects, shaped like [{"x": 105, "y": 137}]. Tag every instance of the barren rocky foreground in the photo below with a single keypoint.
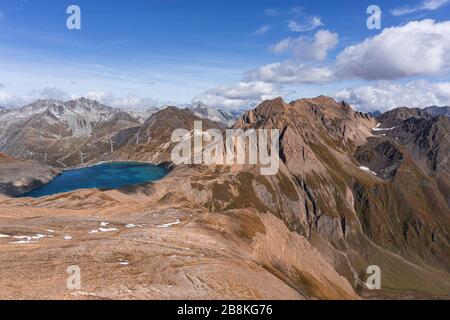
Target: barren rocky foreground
[{"x": 127, "y": 249}]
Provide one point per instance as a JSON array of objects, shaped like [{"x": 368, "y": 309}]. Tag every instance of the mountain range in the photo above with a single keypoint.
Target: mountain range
[
  {"x": 438, "y": 111},
  {"x": 433, "y": 110},
  {"x": 352, "y": 191},
  {"x": 66, "y": 134}
]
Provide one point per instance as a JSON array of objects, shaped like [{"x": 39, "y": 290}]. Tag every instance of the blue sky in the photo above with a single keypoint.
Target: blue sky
[{"x": 140, "y": 52}]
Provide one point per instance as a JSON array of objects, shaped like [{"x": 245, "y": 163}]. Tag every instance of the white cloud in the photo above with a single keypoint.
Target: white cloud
[
  {"x": 429, "y": 5},
  {"x": 282, "y": 46},
  {"x": 415, "y": 49},
  {"x": 100, "y": 96},
  {"x": 443, "y": 92},
  {"x": 310, "y": 24},
  {"x": 238, "y": 96},
  {"x": 419, "y": 48},
  {"x": 8, "y": 99},
  {"x": 306, "y": 48},
  {"x": 244, "y": 90},
  {"x": 386, "y": 96},
  {"x": 262, "y": 30},
  {"x": 290, "y": 73},
  {"x": 48, "y": 93},
  {"x": 129, "y": 101}
]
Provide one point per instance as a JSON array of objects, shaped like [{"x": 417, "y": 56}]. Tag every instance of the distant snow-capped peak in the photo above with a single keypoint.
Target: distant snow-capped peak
[
  {"x": 79, "y": 115},
  {"x": 203, "y": 111}
]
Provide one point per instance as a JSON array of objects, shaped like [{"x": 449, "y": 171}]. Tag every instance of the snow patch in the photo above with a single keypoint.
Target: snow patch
[
  {"x": 131, "y": 226},
  {"x": 28, "y": 239},
  {"x": 383, "y": 129},
  {"x": 103, "y": 230},
  {"x": 22, "y": 242},
  {"x": 367, "y": 170},
  {"x": 167, "y": 225},
  {"x": 123, "y": 262}
]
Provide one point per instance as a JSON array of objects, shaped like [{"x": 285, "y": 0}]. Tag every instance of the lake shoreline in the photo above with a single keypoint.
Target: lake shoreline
[
  {"x": 168, "y": 166},
  {"x": 105, "y": 175}
]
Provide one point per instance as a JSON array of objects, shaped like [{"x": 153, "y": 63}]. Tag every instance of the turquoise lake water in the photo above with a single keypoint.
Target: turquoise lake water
[{"x": 102, "y": 176}]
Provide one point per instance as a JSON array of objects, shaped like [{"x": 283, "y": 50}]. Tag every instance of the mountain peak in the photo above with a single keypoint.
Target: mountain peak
[
  {"x": 392, "y": 117},
  {"x": 204, "y": 111},
  {"x": 50, "y": 100},
  {"x": 44, "y": 103},
  {"x": 326, "y": 106},
  {"x": 83, "y": 101},
  {"x": 322, "y": 100},
  {"x": 438, "y": 111},
  {"x": 273, "y": 104}
]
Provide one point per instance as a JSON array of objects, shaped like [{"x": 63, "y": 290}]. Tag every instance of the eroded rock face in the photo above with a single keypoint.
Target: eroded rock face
[
  {"x": 438, "y": 111},
  {"x": 396, "y": 202},
  {"x": 426, "y": 141},
  {"x": 381, "y": 156},
  {"x": 17, "y": 177}
]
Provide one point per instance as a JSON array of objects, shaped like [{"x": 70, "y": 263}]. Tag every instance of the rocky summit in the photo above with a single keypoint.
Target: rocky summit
[{"x": 352, "y": 191}]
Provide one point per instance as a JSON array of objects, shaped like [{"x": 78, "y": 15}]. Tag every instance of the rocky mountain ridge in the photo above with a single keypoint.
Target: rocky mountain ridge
[
  {"x": 438, "y": 111},
  {"x": 68, "y": 134}
]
